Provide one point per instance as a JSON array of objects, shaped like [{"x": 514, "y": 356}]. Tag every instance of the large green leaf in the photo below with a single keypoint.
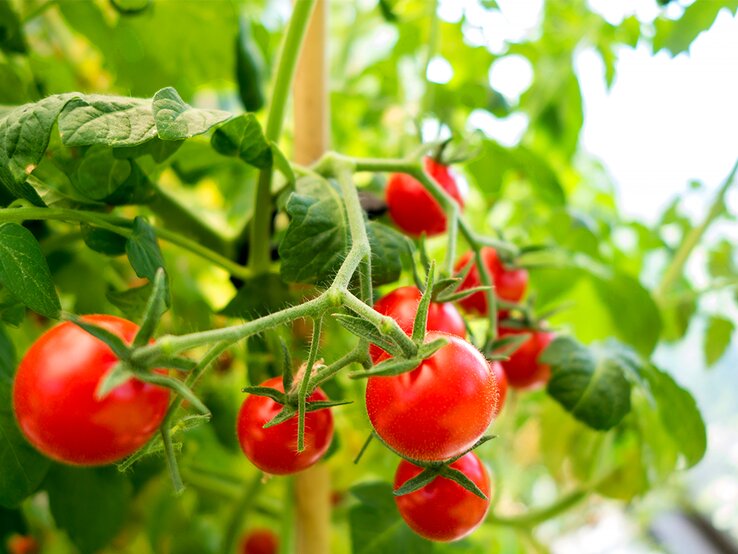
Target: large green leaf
[
  {"x": 590, "y": 383},
  {"x": 317, "y": 238},
  {"x": 106, "y": 120},
  {"x": 243, "y": 137},
  {"x": 89, "y": 524},
  {"x": 23, "y": 468},
  {"x": 24, "y": 136},
  {"x": 376, "y": 525},
  {"x": 176, "y": 120},
  {"x": 677, "y": 36},
  {"x": 24, "y": 271}
]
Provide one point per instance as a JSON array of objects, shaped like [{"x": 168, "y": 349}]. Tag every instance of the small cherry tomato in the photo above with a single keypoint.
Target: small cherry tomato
[
  {"x": 443, "y": 510},
  {"x": 22, "y": 544},
  {"x": 55, "y": 404},
  {"x": 501, "y": 385},
  {"x": 274, "y": 449},
  {"x": 510, "y": 284},
  {"x": 260, "y": 541},
  {"x": 412, "y": 208},
  {"x": 523, "y": 370},
  {"x": 440, "y": 408},
  {"x": 402, "y": 304}
]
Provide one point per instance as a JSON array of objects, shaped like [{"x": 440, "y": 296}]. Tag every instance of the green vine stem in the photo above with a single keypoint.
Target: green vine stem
[
  {"x": 675, "y": 269},
  {"x": 536, "y": 517},
  {"x": 260, "y": 233},
  {"x": 121, "y": 226}
]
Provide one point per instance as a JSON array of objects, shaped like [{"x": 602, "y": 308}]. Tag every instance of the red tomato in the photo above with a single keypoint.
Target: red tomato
[
  {"x": 55, "y": 404},
  {"x": 22, "y": 544},
  {"x": 412, "y": 208},
  {"x": 274, "y": 450},
  {"x": 523, "y": 370},
  {"x": 501, "y": 385},
  {"x": 443, "y": 510},
  {"x": 510, "y": 284},
  {"x": 260, "y": 541},
  {"x": 401, "y": 305},
  {"x": 438, "y": 409}
]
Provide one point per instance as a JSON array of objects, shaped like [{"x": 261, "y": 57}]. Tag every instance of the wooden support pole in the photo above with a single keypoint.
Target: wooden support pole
[{"x": 312, "y": 487}]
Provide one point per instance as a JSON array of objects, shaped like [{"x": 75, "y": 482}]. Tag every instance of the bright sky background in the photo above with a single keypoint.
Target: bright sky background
[{"x": 665, "y": 121}]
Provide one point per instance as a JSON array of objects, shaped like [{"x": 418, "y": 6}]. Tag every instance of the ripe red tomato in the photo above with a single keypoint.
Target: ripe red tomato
[
  {"x": 438, "y": 409},
  {"x": 401, "y": 305},
  {"x": 510, "y": 284},
  {"x": 274, "y": 450},
  {"x": 22, "y": 544},
  {"x": 260, "y": 541},
  {"x": 412, "y": 208},
  {"x": 501, "y": 385},
  {"x": 443, "y": 510},
  {"x": 523, "y": 370},
  {"x": 55, "y": 404}
]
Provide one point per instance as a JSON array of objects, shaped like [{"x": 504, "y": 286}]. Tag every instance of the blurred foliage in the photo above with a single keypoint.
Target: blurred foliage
[{"x": 542, "y": 190}]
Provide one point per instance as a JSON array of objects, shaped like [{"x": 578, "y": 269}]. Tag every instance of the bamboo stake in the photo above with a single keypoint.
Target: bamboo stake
[{"x": 312, "y": 487}]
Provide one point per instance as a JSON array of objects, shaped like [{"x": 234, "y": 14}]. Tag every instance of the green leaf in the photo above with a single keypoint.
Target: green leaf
[
  {"x": 106, "y": 120},
  {"x": 176, "y": 120},
  {"x": 156, "y": 306},
  {"x": 589, "y": 384},
  {"x": 24, "y": 137},
  {"x": 143, "y": 250},
  {"x": 718, "y": 336},
  {"x": 23, "y": 469},
  {"x": 376, "y": 524},
  {"x": 242, "y": 137},
  {"x": 720, "y": 262},
  {"x": 24, "y": 271},
  {"x": 388, "y": 247},
  {"x": 365, "y": 329},
  {"x": 131, "y": 302},
  {"x": 90, "y": 525},
  {"x": 99, "y": 175},
  {"x": 12, "y": 311},
  {"x": 317, "y": 239},
  {"x": 158, "y": 149},
  {"x": 258, "y": 296},
  {"x": 679, "y": 413},
  {"x": 103, "y": 241}
]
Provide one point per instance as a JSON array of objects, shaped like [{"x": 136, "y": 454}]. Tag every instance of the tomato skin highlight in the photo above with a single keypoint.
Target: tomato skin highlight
[
  {"x": 402, "y": 304},
  {"x": 444, "y": 510},
  {"x": 523, "y": 370},
  {"x": 501, "y": 385},
  {"x": 439, "y": 409},
  {"x": 260, "y": 541},
  {"x": 510, "y": 284},
  {"x": 54, "y": 397},
  {"x": 412, "y": 208},
  {"x": 274, "y": 450}
]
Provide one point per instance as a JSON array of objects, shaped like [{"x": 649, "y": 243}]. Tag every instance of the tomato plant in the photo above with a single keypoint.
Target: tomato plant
[
  {"x": 401, "y": 305},
  {"x": 443, "y": 510},
  {"x": 231, "y": 255},
  {"x": 440, "y": 408},
  {"x": 412, "y": 207},
  {"x": 274, "y": 449},
  {"x": 56, "y": 401},
  {"x": 524, "y": 368},
  {"x": 509, "y": 284}
]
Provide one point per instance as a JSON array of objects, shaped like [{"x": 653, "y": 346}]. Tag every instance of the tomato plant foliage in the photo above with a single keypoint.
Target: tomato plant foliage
[{"x": 151, "y": 196}]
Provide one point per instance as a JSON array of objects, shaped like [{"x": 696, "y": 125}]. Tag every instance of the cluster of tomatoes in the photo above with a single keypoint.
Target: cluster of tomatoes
[{"x": 432, "y": 414}]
